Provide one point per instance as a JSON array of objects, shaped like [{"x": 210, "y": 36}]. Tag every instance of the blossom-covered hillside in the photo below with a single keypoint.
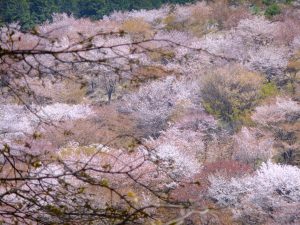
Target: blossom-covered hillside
[{"x": 186, "y": 114}]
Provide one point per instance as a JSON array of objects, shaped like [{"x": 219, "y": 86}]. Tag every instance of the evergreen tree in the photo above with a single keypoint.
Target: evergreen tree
[
  {"x": 94, "y": 9},
  {"x": 41, "y": 10},
  {"x": 68, "y": 6},
  {"x": 15, "y": 11},
  {"x": 117, "y": 5},
  {"x": 31, "y": 12}
]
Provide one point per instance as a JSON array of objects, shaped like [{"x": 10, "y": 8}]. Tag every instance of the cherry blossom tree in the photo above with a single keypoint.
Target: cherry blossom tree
[
  {"x": 276, "y": 112},
  {"x": 260, "y": 197}
]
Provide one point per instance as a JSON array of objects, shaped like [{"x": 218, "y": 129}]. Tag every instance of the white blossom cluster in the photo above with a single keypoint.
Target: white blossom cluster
[
  {"x": 251, "y": 43},
  {"x": 276, "y": 112},
  {"x": 178, "y": 162},
  {"x": 273, "y": 188},
  {"x": 60, "y": 111},
  {"x": 155, "y": 101},
  {"x": 178, "y": 151},
  {"x": 18, "y": 120},
  {"x": 251, "y": 145},
  {"x": 148, "y": 15}
]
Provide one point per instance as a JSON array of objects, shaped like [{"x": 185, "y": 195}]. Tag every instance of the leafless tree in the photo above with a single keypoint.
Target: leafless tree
[{"x": 103, "y": 187}]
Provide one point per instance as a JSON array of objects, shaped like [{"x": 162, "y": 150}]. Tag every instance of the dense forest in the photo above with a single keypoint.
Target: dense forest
[{"x": 31, "y": 12}]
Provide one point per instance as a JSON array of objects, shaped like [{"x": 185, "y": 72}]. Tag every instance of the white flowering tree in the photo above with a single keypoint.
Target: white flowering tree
[
  {"x": 283, "y": 109},
  {"x": 154, "y": 103},
  {"x": 252, "y": 145},
  {"x": 259, "y": 198}
]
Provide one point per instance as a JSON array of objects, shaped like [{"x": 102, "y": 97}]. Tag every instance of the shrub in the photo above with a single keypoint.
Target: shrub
[
  {"x": 171, "y": 22},
  {"x": 289, "y": 29},
  {"x": 255, "y": 9},
  {"x": 272, "y": 10},
  {"x": 235, "y": 16},
  {"x": 220, "y": 12},
  {"x": 137, "y": 28},
  {"x": 294, "y": 63},
  {"x": 268, "y": 90},
  {"x": 200, "y": 20},
  {"x": 267, "y": 2},
  {"x": 161, "y": 55},
  {"x": 147, "y": 73},
  {"x": 293, "y": 69},
  {"x": 105, "y": 126},
  {"x": 231, "y": 93},
  {"x": 66, "y": 91}
]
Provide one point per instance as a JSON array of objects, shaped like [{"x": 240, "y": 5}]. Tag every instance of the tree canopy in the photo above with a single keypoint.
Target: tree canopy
[{"x": 32, "y": 12}]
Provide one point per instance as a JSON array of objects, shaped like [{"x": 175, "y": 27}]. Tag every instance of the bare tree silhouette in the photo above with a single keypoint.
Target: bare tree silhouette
[{"x": 103, "y": 187}]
